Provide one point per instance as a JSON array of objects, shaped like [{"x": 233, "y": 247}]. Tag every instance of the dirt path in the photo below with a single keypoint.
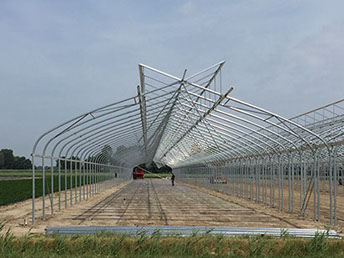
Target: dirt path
[
  {"x": 16, "y": 215},
  {"x": 281, "y": 199},
  {"x": 289, "y": 218}
]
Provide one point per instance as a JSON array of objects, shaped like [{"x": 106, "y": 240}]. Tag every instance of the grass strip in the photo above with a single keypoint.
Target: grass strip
[{"x": 156, "y": 245}]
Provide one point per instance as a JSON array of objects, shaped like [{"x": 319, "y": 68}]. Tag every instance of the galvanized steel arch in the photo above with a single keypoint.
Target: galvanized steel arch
[{"x": 187, "y": 122}]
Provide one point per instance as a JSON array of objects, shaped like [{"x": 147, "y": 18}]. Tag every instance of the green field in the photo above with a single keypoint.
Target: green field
[
  {"x": 142, "y": 245},
  {"x": 26, "y": 173},
  {"x": 12, "y": 191},
  {"x": 20, "y": 188},
  {"x": 19, "y": 173}
]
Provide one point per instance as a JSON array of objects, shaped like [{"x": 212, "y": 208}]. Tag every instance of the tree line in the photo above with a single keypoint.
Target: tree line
[
  {"x": 106, "y": 156},
  {"x": 154, "y": 168},
  {"x": 9, "y": 161}
]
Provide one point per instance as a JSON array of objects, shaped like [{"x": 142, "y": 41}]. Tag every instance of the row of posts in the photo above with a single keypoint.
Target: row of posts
[
  {"x": 264, "y": 180},
  {"x": 85, "y": 178}
]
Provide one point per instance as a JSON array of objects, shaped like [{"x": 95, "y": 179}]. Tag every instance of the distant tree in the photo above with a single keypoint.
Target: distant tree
[
  {"x": 21, "y": 163},
  {"x": 2, "y": 160},
  {"x": 165, "y": 169},
  {"x": 121, "y": 149},
  {"x": 8, "y": 158},
  {"x": 143, "y": 165},
  {"x": 153, "y": 167},
  {"x": 106, "y": 154},
  {"x": 9, "y": 161},
  {"x": 66, "y": 164}
]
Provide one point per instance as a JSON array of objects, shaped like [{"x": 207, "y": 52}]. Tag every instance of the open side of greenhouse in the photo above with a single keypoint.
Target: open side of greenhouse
[{"x": 210, "y": 138}]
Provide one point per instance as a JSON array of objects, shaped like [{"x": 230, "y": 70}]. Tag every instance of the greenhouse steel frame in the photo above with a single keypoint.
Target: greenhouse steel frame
[{"x": 207, "y": 136}]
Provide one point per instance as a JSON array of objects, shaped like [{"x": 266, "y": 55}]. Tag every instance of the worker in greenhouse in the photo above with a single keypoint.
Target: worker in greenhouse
[{"x": 172, "y": 179}]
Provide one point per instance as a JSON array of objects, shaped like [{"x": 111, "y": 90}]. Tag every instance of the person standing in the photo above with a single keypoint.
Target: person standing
[{"x": 172, "y": 179}]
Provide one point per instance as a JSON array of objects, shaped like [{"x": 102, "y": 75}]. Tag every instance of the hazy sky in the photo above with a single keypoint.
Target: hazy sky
[{"x": 62, "y": 58}]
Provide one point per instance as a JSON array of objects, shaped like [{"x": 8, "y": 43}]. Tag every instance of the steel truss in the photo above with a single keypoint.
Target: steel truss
[{"x": 207, "y": 136}]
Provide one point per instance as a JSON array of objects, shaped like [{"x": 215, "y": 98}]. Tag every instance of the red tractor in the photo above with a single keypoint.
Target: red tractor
[{"x": 138, "y": 173}]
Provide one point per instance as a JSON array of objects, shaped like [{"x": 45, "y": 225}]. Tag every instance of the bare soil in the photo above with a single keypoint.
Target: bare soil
[
  {"x": 153, "y": 202},
  {"x": 282, "y": 203}
]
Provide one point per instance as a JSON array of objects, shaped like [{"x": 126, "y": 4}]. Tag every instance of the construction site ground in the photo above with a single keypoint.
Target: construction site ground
[{"x": 153, "y": 202}]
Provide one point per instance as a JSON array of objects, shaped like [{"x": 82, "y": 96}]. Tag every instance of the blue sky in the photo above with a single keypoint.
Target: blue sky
[{"x": 62, "y": 58}]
